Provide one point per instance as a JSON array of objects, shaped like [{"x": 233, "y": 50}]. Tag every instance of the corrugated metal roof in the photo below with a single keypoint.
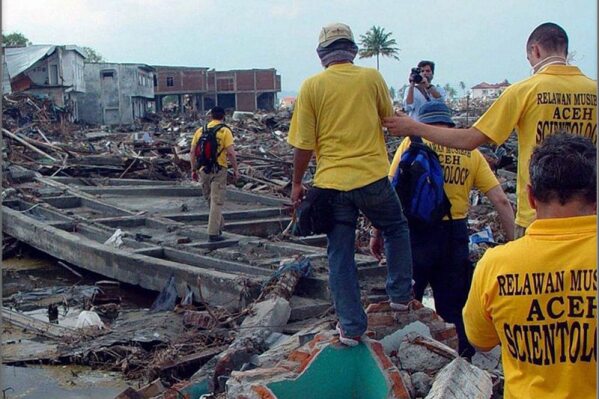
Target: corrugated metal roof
[{"x": 19, "y": 59}]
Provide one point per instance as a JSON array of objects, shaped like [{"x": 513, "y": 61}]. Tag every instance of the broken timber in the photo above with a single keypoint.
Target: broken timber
[{"x": 163, "y": 233}]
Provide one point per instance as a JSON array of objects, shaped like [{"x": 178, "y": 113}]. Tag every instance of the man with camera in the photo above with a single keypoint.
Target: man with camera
[
  {"x": 421, "y": 89},
  {"x": 558, "y": 96}
]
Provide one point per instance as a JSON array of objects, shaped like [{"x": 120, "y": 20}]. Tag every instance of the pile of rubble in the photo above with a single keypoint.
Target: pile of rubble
[{"x": 192, "y": 350}]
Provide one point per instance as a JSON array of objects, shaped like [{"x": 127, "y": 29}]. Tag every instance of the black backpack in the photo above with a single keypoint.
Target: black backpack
[
  {"x": 419, "y": 183},
  {"x": 206, "y": 150}
]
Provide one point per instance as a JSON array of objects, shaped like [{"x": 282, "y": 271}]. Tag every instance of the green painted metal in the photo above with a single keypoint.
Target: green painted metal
[
  {"x": 195, "y": 390},
  {"x": 336, "y": 372}
]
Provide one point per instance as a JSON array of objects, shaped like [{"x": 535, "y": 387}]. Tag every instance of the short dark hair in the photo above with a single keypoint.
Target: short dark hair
[
  {"x": 551, "y": 37},
  {"x": 564, "y": 167},
  {"x": 424, "y": 63},
  {"x": 217, "y": 113}
]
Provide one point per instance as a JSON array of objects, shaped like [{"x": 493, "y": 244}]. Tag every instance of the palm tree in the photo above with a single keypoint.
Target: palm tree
[
  {"x": 463, "y": 86},
  {"x": 377, "y": 42},
  {"x": 450, "y": 91}
]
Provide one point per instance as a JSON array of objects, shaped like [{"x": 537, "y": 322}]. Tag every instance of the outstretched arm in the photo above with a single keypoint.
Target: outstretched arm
[
  {"x": 467, "y": 139},
  {"x": 504, "y": 208}
]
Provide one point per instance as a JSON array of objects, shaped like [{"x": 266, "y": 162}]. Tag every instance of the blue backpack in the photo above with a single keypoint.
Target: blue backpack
[{"x": 418, "y": 182}]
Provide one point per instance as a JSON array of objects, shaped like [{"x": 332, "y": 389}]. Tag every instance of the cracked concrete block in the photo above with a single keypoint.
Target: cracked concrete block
[
  {"x": 419, "y": 353},
  {"x": 422, "y": 383},
  {"x": 487, "y": 360},
  {"x": 461, "y": 380},
  {"x": 272, "y": 314},
  {"x": 391, "y": 342}
]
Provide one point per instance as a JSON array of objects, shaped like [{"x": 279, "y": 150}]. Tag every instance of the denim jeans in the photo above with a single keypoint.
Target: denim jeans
[
  {"x": 440, "y": 255},
  {"x": 380, "y": 204}
]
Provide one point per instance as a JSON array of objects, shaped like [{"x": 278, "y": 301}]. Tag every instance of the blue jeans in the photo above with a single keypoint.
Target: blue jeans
[{"x": 380, "y": 204}]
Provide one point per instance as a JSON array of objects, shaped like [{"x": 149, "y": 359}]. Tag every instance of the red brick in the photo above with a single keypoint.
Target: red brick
[
  {"x": 377, "y": 348},
  {"x": 263, "y": 392},
  {"x": 381, "y": 319},
  {"x": 398, "y": 387}
]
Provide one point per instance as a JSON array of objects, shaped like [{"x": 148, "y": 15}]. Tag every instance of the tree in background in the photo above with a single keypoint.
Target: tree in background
[
  {"x": 450, "y": 91},
  {"x": 92, "y": 55},
  {"x": 402, "y": 91},
  {"x": 463, "y": 87},
  {"x": 377, "y": 42},
  {"x": 392, "y": 92},
  {"x": 15, "y": 39}
]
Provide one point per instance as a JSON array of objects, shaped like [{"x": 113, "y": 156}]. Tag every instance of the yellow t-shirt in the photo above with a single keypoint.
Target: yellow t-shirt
[
  {"x": 462, "y": 170},
  {"x": 537, "y": 297},
  {"x": 224, "y": 137},
  {"x": 557, "y": 97},
  {"x": 338, "y": 114}
]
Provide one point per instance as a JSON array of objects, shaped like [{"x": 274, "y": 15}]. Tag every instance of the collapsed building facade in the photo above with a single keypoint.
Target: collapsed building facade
[
  {"x": 116, "y": 93},
  {"x": 122, "y": 93},
  {"x": 201, "y": 89},
  {"x": 55, "y": 72}
]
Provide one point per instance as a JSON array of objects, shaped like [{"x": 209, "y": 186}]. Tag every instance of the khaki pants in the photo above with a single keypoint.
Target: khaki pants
[
  {"x": 214, "y": 186},
  {"x": 519, "y": 232}
]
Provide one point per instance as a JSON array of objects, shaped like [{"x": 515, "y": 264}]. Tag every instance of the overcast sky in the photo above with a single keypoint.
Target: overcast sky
[{"x": 471, "y": 41}]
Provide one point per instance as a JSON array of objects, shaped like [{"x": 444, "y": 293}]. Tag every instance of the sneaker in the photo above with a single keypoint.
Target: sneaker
[
  {"x": 215, "y": 238},
  {"x": 349, "y": 341}
]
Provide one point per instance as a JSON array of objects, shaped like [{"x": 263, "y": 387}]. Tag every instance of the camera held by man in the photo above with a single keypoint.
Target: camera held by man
[
  {"x": 421, "y": 90},
  {"x": 415, "y": 75}
]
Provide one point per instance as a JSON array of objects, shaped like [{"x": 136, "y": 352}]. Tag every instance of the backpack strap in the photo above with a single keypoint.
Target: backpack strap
[{"x": 216, "y": 129}]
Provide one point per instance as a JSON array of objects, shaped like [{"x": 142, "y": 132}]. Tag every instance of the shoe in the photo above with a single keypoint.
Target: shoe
[
  {"x": 215, "y": 238},
  {"x": 349, "y": 341}
]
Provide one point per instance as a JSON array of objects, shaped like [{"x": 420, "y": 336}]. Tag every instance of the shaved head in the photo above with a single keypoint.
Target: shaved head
[{"x": 551, "y": 37}]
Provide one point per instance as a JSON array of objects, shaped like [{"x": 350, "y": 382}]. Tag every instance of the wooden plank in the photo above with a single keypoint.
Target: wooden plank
[
  {"x": 38, "y": 326},
  {"x": 195, "y": 358}
]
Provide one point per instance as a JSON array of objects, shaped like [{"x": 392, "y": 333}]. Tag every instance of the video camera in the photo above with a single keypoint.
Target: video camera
[{"x": 415, "y": 75}]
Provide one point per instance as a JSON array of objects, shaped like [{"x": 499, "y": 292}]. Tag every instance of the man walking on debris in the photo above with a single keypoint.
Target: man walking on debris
[
  {"x": 213, "y": 172},
  {"x": 440, "y": 250},
  {"x": 557, "y": 97},
  {"x": 537, "y": 296},
  {"x": 421, "y": 90},
  {"x": 338, "y": 115}
]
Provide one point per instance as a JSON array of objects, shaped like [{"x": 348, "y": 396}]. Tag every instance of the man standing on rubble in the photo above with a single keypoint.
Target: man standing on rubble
[
  {"x": 214, "y": 178},
  {"x": 440, "y": 250},
  {"x": 421, "y": 90},
  {"x": 557, "y": 97},
  {"x": 537, "y": 296},
  {"x": 338, "y": 115}
]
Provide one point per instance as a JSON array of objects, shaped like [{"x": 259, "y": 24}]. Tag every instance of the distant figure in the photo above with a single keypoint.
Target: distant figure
[
  {"x": 440, "y": 251},
  {"x": 557, "y": 97},
  {"x": 338, "y": 115},
  {"x": 421, "y": 89},
  {"x": 213, "y": 176},
  {"x": 537, "y": 296}
]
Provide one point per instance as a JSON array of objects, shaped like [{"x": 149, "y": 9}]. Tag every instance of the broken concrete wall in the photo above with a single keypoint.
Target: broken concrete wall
[
  {"x": 116, "y": 93},
  {"x": 6, "y": 89}
]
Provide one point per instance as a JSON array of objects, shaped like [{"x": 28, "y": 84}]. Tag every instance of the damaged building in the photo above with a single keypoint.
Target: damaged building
[
  {"x": 116, "y": 93},
  {"x": 200, "y": 89},
  {"x": 55, "y": 72}
]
